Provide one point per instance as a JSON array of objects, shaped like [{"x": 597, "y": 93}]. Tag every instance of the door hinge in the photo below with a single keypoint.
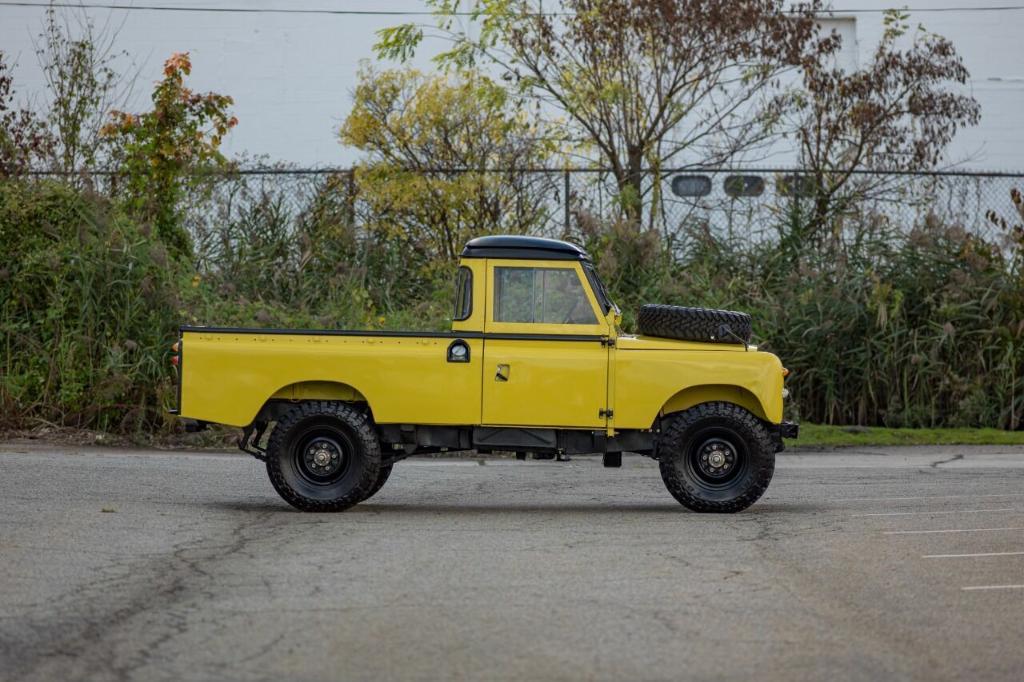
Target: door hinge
[
  {"x": 608, "y": 341},
  {"x": 605, "y": 413}
]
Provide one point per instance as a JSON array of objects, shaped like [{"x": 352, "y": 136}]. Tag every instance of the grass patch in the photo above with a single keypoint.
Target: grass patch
[{"x": 820, "y": 435}]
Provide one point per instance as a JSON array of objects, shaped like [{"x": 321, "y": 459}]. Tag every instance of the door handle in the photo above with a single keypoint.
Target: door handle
[{"x": 502, "y": 373}]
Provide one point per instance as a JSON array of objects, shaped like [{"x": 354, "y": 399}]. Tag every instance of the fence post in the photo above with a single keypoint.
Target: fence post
[
  {"x": 565, "y": 201},
  {"x": 351, "y": 197}
]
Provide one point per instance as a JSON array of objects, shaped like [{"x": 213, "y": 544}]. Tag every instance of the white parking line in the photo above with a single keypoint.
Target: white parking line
[
  {"x": 923, "y": 497},
  {"x": 947, "y": 530},
  {"x": 948, "y": 511},
  {"x": 993, "y": 587},
  {"x": 977, "y": 554}
]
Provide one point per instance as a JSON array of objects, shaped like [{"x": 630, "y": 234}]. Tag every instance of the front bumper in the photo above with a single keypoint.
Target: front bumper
[{"x": 783, "y": 430}]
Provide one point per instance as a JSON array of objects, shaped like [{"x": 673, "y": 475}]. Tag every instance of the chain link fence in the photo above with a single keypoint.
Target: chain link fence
[
  {"x": 738, "y": 203},
  {"x": 751, "y": 202},
  {"x": 746, "y": 203}
]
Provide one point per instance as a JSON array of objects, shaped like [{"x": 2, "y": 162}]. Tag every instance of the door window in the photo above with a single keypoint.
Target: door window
[{"x": 541, "y": 295}]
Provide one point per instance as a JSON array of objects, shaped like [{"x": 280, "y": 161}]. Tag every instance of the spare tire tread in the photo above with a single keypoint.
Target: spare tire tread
[{"x": 703, "y": 325}]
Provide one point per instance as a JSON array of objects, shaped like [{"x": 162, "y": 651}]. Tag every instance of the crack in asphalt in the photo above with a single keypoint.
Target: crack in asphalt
[
  {"x": 80, "y": 619},
  {"x": 954, "y": 458}
]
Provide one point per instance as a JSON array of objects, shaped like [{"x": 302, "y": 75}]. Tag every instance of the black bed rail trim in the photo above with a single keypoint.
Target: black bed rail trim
[
  {"x": 396, "y": 334},
  {"x": 540, "y": 337}
]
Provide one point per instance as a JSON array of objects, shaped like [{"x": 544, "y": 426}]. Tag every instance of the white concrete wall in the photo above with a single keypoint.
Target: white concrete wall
[
  {"x": 292, "y": 75},
  {"x": 991, "y": 46}
]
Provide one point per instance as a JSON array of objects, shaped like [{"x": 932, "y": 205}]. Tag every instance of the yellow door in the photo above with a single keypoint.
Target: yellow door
[
  {"x": 545, "y": 383},
  {"x": 545, "y": 360}
]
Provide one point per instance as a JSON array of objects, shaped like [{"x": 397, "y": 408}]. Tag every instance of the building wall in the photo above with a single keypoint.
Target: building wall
[
  {"x": 989, "y": 42},
  {"x": 292, "y": 75}
]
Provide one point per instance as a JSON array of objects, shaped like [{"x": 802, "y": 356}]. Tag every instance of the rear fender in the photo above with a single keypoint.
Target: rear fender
[
  {"x": 303, "y": 391},
  {"x": 319, "y": 390}
]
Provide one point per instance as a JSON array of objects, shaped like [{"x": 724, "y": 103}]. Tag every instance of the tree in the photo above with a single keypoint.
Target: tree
[
  {"x": 445, "y": 159},
  {"x": 24, "y": 139},
  {"x": 895, "y": 114},
  {"x": 644, "y": 82},
  {"x": 166, "y": 149},
  {"x": 83, "y": 87}
]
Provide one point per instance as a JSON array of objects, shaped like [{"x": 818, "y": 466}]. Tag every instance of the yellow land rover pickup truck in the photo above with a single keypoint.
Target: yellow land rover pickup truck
[{"x": 534, "y": 364}]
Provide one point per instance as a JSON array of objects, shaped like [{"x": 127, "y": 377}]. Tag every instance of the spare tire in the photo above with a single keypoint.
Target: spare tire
[{"x": 694, "y": 324}]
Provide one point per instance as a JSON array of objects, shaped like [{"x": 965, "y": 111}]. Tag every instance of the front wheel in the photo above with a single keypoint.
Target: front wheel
[
  {"x": 716, "y": 457},
  {"x": 323, "y": 456}
]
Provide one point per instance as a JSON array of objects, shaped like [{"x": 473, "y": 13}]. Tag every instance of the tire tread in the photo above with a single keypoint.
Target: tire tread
[
  {"x": 353, "y": 418},
  {"x": 694, "y": 324},
  {"x": 673, "y": 440},
  {"x": 382, "y": 478}
]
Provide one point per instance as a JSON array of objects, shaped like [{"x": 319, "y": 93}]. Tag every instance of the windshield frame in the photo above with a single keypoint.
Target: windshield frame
[{"x": 600, "y": 291}]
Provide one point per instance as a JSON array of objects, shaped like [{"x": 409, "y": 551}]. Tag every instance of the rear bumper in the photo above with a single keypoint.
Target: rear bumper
[{"x": 789, "y": 430}]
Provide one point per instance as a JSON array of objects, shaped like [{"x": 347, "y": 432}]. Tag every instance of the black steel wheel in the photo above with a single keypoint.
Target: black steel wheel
[
  {"x": 716, "y": 457},
  {"x": 323, "y": 456}
]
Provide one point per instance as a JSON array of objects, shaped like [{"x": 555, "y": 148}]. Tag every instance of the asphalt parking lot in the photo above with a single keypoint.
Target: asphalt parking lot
[{"x": 866, "y": 565}]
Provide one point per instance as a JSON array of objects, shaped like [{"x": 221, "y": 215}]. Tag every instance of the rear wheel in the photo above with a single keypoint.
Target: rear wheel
[
  {"x": 382, "y": 478},
  {"x": 716, "y": 457},
  {"x": 323, "y": 456}
]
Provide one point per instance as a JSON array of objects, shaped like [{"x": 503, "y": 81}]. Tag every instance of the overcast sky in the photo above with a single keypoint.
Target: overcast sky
[{"x": 292, "y": 75}]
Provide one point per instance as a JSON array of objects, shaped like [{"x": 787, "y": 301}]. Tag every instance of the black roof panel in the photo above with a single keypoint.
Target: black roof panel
[{"x": 518, "y": 246}]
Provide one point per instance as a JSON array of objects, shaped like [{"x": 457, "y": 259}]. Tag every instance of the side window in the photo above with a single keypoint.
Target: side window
[
  {"x": 463, "y": 294},
  {"x": 544, "y": 295}
]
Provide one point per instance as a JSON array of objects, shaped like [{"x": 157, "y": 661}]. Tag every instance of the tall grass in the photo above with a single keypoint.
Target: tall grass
[
  {"x": 268, "y": 253},
  {"x": 88, "y": 302}
]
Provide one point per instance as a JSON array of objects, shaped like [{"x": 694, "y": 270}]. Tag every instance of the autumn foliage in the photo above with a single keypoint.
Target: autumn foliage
[
  {"x": 165, "y": 148},
  {"x": 444, "y": 160}
]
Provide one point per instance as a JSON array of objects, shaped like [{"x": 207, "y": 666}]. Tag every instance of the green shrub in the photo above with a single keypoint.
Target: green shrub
[{"x": 87, "y": 312}]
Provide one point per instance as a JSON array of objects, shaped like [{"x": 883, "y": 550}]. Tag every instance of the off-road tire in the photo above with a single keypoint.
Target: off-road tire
[
  {"x": 694, "y": 324},
  {"x": 715, "y": 428},
  {"x": 315, "y": 424},
  {"x": 382, "y": 478}
]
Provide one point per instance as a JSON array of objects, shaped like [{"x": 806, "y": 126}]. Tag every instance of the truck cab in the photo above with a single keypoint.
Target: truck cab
[{"x": 545, "y": 327}]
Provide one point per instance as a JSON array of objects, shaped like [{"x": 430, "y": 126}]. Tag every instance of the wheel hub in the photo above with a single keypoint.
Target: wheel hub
[
  {"x": 716, "y": 458},
  {"x": 323, "y": 457}
]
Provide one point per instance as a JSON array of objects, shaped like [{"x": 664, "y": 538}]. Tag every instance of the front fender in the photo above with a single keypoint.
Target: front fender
[{"x": 649, "y": 383}]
